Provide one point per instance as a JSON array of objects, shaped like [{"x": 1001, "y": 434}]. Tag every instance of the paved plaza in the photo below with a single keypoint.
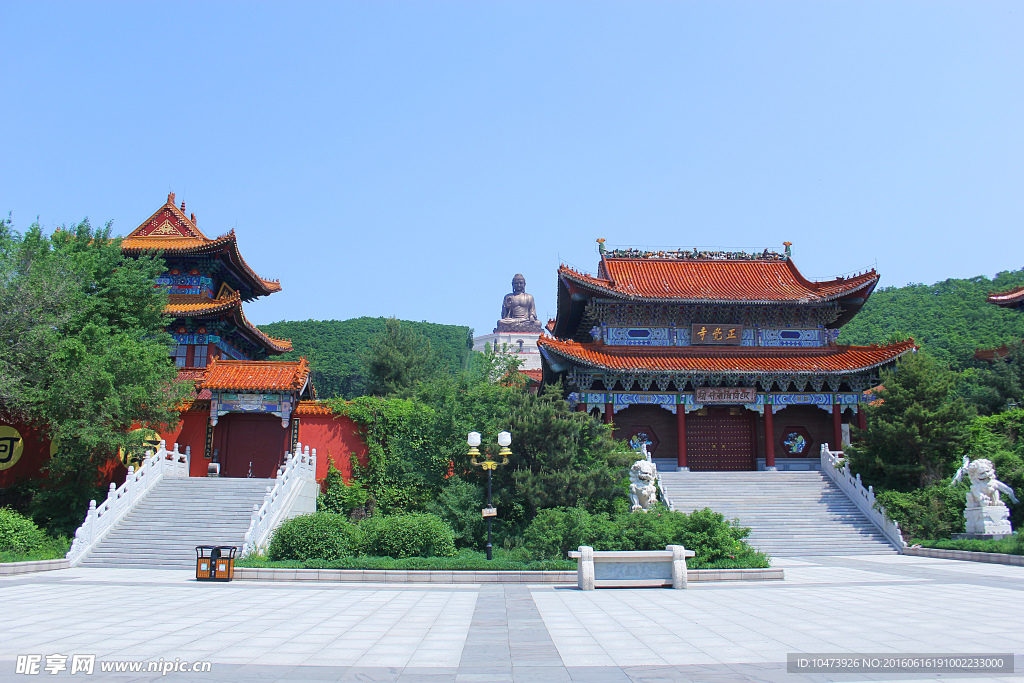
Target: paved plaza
[{"x": 494, "y": 633}]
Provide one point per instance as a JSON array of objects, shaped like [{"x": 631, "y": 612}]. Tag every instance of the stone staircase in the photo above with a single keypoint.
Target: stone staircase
[
  {"x": 179, "y": 513},
  {"x": 789, "y": 513}
]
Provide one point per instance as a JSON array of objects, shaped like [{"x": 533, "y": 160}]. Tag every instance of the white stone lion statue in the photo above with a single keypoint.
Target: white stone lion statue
[
  {"x": 643, "y": 489},
  {"x": 985, "y": 487}
]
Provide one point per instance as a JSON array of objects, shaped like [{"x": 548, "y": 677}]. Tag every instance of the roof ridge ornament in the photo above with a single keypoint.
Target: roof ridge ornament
[{"x": 695, "y": 254}]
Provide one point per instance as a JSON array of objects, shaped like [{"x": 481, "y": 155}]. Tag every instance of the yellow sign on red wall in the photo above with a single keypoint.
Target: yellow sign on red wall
[{"x": 11, "y": 446}]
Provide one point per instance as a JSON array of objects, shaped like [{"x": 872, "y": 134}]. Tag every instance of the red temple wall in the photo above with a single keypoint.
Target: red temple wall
[
  {"x": 190, "y": 433},
  {"x": 35, "y": 453},
  {"x": 333, "y": 436},
  {"x": 816, "y": 421},
  {"x": 659, "y": 420}
]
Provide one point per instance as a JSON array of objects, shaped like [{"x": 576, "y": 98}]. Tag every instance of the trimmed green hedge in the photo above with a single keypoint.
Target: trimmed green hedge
[
  {"x": 328, "y": 537},
  {"x": 1014, "y": 545},
  {"x": 423, "y": 541},
  {"x": 716, "y": 542},
  {"x": 401, "y": 536},
  {"x": 322, "y": 535}
]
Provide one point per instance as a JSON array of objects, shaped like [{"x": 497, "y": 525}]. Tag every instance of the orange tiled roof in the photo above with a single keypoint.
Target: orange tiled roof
[
  {"x": 1013, "y": 297},
  {"x": 198, "y": 306},
  {"x": 170, "y": 231},
  {"x": 713, "y": 281},
  {"x": 193, "y": 305},
  {"x": 992, "y": 354},
  {"x": 534, "y": 375},
  {"x": 309, "y": 408},
  {"x": 266, "y": 375},
  {"x": 738, "y": 359}
]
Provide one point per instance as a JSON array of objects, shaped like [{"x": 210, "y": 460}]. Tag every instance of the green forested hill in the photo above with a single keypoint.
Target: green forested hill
[
  {"x": 950, "y": 318},
  {"x": 333, "y": 347}
]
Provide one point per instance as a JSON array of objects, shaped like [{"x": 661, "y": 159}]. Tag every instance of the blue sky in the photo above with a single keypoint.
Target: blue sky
[{"x": 408, "y": 158}]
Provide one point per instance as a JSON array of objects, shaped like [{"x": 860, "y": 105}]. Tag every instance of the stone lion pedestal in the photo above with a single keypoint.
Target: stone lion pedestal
[{"x": 987, "y": 522}]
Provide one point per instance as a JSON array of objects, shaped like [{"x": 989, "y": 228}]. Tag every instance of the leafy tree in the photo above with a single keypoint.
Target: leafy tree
[
  {"x": 94, "y": 361},
  {"x": 918, "y": 431},
  {"x": 405, "y": 468},
  {"x": 1000, "y": 382},
  {"x": 949, "y": 319},
  {"x": 335, "y": 349},
  {"x": 397, "y": 359}
]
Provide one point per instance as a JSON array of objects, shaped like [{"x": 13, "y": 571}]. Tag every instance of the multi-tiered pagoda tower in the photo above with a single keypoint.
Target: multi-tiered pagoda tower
[
  {"x": 243, "y": 415},
  {"x": 719, "y": 360},
  {"x": 208, "y": 281}
]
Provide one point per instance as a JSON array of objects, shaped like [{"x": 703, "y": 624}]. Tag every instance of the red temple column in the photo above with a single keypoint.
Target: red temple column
[
  {"x": 862, "y": 418},
  {"x": 837, "y": 427},
  {"x": 609, "y": 412},
  {"x": 681, "y": 434},
  {"x": 769, "y": 438},
  {"x": 581, "y": 407}
]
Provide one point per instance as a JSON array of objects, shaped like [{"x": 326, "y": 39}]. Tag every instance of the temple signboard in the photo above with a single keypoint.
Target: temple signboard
[
  {"x": 222, "y": 403},
  {"x": 717, "y": 333},
  {"x": 706, "y": 395}
]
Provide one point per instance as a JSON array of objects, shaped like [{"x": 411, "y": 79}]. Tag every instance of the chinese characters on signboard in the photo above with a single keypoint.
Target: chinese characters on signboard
[
  {"x": 725, "y": 395},
  {"x": 716, "y": 333}
]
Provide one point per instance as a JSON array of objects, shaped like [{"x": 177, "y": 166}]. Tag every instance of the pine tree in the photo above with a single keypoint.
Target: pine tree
[
  {"x": 398, "y": 359},
  {"x": 918, "y": 432}
]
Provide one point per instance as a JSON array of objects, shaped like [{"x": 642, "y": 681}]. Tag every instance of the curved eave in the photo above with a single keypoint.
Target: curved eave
[
  {"x": 1011, "y": 299},
  {"x": 840, "y": 360},
  {"x": 225, "y": 244},
  {"x": 230, "y": 306}
]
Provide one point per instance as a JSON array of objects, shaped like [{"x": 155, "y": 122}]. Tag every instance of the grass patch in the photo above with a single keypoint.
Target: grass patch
[
  {"x": 464, "y": 560},
  {"x": 1013, "y": 545},
  {"x": 471, "y": 560}
]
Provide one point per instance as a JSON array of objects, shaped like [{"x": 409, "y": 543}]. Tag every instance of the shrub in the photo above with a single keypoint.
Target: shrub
[
  {"x": 556, "y": 531},
  {"x": 714, "y": 540},
  {"x": 933, "y": 512},
  {"x": 19, "y": 534},
  {"x": 322, "y": 535},
  {"x": 411, "y": 535},
  {"x": 339, "y": 497}
]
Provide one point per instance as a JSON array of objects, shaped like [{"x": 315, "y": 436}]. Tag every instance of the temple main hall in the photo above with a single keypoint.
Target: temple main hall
[{"x": 715, "y": 360}]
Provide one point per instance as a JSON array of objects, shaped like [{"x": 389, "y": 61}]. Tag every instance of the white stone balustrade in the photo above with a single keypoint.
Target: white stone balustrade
[
  {"x": 294, "y": 491},
  {"x": 832, "y": 465},
  {"x": 101, "y": 518}
]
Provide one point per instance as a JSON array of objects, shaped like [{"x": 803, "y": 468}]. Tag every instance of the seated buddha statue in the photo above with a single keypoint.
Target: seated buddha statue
[{"x": 518, "y": 310}]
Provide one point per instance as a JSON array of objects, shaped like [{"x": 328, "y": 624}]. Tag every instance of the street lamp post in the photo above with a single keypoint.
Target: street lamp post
[{"x": 504, "y": 440}]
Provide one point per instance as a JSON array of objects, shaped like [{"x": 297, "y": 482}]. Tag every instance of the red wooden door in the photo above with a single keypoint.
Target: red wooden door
[
  {"x": 720, "y": 438},
  {"x": 258, "y": 439}
]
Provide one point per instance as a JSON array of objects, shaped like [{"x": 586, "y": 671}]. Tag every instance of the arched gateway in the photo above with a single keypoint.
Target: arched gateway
[{"x": 719, "y": 360}]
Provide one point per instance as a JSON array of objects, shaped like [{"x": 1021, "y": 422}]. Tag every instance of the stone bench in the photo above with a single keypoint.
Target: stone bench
[{"x": 631, "y": 568}]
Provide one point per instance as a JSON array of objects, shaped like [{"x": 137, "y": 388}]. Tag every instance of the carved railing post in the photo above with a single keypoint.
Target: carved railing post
[
  {"x": 833, "y": 466},
  {"x": 290, "y": 476},
  {"x": 121, "y": 499}
]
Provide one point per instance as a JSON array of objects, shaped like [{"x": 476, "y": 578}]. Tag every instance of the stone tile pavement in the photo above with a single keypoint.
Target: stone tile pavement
[{"x": 515, "y": 633}]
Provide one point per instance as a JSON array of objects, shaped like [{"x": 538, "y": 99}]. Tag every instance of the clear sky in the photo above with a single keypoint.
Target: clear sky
[{"x": 408, "y": 158}]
